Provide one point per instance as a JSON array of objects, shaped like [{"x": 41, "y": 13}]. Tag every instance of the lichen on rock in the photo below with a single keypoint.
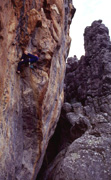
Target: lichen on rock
[{"x": 85, "y": 121}]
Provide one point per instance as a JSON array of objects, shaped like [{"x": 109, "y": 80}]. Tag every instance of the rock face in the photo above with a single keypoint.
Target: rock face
[
  {"x": 30, "y": 103},
  {"x": 86, "y": 143}
]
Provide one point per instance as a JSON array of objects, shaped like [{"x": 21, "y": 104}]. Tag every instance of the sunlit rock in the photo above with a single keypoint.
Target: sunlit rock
[{"x": 30, "y": 103}]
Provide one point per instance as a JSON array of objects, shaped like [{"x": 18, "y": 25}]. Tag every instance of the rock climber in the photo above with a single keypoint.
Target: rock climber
[{"x": 26, "y": 59}]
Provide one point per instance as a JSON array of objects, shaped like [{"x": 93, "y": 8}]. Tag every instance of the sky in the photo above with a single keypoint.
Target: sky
[{"x": 87, "y": 11}]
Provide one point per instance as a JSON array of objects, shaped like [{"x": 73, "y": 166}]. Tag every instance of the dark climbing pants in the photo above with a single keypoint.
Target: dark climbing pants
[{"x": 20, "y": 64}]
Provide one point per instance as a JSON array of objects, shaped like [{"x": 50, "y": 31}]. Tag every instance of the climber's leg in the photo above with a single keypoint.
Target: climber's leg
[{"x": 19, "y": 66}]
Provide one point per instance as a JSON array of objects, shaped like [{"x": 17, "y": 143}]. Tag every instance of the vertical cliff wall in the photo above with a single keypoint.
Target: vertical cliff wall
[{"x": 30, "y": 103}]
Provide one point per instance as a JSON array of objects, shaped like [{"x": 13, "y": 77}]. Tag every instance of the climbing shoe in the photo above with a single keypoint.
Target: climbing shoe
[{"x": 31, "y": 66}]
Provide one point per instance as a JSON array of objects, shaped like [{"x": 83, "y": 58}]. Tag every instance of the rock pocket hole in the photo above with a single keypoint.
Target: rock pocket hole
[
  {"x": 0, "y": 8},
  {"x": 1, "y": 38},
  {"x": 78, "y": 130},
  {"x": 1, "y": 25},
  {"x": 39, "y": 24}
]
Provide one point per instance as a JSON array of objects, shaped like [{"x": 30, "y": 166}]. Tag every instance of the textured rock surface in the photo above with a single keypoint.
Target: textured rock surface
[
  {"x": 87, "y": 113},
  {"x": 30, "y": 103},
  {"x": 90, "y": 77}
]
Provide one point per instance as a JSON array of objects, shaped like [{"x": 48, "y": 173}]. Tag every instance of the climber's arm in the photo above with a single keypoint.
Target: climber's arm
[
  {"x": 33, "y": 56},
  {"x": 24, "y": 56}
]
